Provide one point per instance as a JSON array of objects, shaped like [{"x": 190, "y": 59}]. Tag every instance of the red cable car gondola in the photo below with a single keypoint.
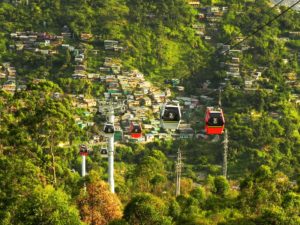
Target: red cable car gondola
[
  {"x": 83, "y": 150},
  {"x": 214, "y": 121},
  {"x": 135, "y": 130}
]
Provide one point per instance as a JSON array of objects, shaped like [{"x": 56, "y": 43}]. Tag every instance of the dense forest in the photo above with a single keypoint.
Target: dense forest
[{"x": 212, "y": 44}]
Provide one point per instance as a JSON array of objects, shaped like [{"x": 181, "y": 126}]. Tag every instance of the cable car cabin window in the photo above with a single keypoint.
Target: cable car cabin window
[
  {"x": 171, "y": 114},
  {"x": 109, "y": 129},
  {"x": 83, "y": 150},
  {"x": 136, "y": 130},
  {"x": 103, "y": 152},
  {"x": 215, "y": 119}
]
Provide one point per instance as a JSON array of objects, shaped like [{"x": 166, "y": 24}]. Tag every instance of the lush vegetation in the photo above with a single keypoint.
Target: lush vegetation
[{"x": 40, "y": 181}]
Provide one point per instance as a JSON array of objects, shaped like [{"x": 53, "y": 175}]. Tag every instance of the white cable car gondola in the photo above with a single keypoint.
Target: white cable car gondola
[
  {"x": 109, "y": 130},
  {"x": 170, "y": 116}
]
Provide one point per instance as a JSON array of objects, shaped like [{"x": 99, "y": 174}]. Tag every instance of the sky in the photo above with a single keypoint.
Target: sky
[{"x": 289, "y": 2}]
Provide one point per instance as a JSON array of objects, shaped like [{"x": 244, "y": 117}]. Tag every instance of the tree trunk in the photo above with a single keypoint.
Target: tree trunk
[{"x": 53, "y": 162}]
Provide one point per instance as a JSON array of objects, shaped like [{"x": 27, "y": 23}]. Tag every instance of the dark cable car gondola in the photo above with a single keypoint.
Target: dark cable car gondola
[
  {"x": 103, "y": 152},
  {"x": 170, "y": 116},
  {"x": 109, "y": 130},
  {"x": 83, "y": 150},
  {"x": 135, "y": 130},
  {"x": 214, "y": 121}
]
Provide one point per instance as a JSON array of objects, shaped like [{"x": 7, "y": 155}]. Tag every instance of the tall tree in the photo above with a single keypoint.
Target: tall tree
[{"x": 98, "y": 205}]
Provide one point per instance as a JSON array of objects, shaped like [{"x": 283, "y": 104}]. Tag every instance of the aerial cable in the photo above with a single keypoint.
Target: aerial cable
[
  {"x": 274, "y": 6},
  {"x": 263, "y": 26},
  {"x": 278, "y": 3}
]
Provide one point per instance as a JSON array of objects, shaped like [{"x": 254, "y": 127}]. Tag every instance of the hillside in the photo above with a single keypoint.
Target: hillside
[{"x": 65, "y": 64}]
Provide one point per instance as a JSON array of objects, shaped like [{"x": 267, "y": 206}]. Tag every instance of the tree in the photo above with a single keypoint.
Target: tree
[
  {"x": 46, "y": 206},
  {"x": 221, "y": 185},
  {"x": 98, "y": 205},
  {"x": 146, "y": 209}
]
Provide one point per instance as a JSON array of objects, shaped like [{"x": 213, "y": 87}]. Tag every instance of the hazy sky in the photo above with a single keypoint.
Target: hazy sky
[{"x": 289, "y": 2}]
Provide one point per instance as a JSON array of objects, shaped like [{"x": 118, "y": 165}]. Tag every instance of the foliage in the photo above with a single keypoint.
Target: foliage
[
  {"x": 98, "y": 205},
  {"x": 46, "y": 206}
]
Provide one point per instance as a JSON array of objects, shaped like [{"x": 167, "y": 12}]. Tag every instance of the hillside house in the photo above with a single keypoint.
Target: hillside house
[
  {"x": 80, "y": 67},
  {"x": 90, "y": 102},
  {"x": 199, "y": 33},
  {"x": 138, "y": 74},
  {"x": 234, "y": 69},
  {"x": 201, "y": 16},
  {"x": 105, "y": 69},
  {"x": 93, "y": 76},
  {"x": 248, "y": 83},
  {"x": 180, "y": 88},
  {"x": 79, "y": 76},
  {"x": 294, "y": 34},
  {"x": 146, "y": 101},
  {"x": 212, "y": 9},
  {"x": 224, "y": 8},
  {"x": 149, "y": 137},
  {"x": 186, "y": 133},
  {"x": 195, "y": 4},
  {"x": 116, "y": 68},
  {"x": 66, "y": 34},
  {"x": 138, "y": 95},
  {"x": 79, "y": 58},
  {"x": 206, "y": 98},
  {"x": 2, "y": 75},
  {"x": 108, "y": 61},
  {"x": 213, "y": 19},
  {"x": 235, "y": 60},
  {"x": 19, "y": 46},
  {"x": 156, "y": 108},
  {"x": 168, "y": 92},
  {"x": 159, "y": 96},
  {"x": 233, "y": 74},
  {"x": 86, "y": 36},
  {"x": 235, "y": 51},
  {"x": 110, "y": 44},
  {"x": 218, "y": 14},
  {"x": 11, "y": 71},
  {"x": 21, "y": 87},
  {"x": 9, "y": 86}
]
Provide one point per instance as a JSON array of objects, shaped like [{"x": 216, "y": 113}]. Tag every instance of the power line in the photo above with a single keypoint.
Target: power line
[
  {"x": 278, "y": 3},
  {"x": 263, "y": 26}
]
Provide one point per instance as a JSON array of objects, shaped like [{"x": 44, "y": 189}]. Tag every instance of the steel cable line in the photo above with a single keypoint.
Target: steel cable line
[
  {"x": 262, "y": 26},
  {"x": 278, "y": 3}
]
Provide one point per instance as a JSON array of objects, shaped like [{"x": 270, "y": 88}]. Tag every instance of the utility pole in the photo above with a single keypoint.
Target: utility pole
[
  {"x": 225, "y": 153},
  {"x": 109, "y": 110},
  {"x": 110, "y": 152},
  {"x": 178, "y": 171},
  {"x": 83, "y": 153},
  {"x": 83, "y": 166}
]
